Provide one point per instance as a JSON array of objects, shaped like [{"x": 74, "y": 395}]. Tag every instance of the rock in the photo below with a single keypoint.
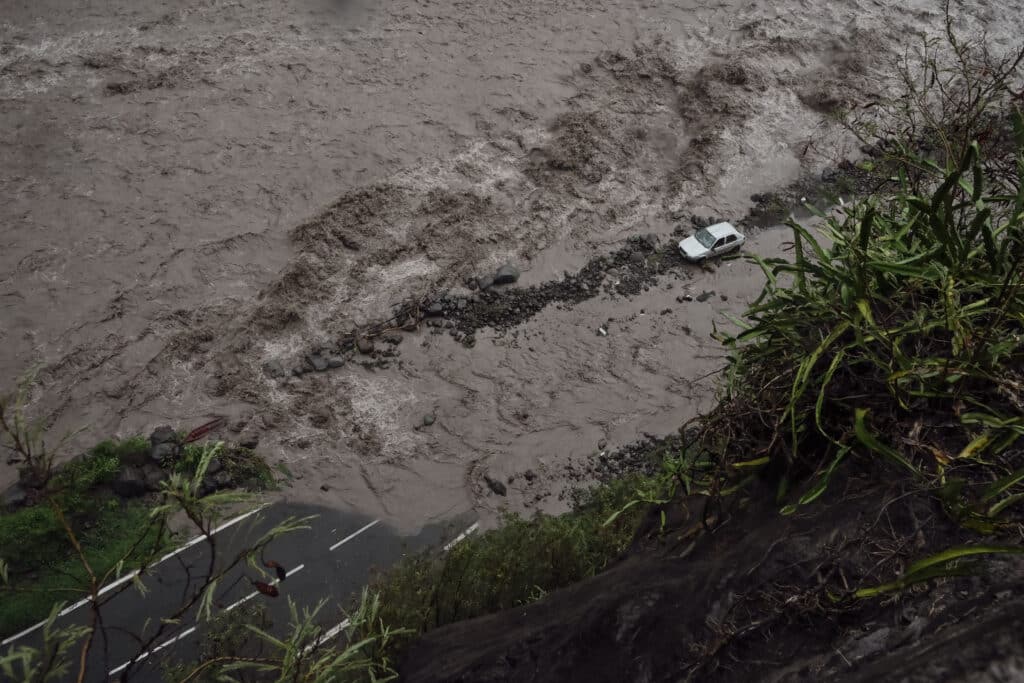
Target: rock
[
  {"x": 349, "y": 243},
  {"x": 485, "y": 282},
  {"x": 153, "y": 476},
  {"x": 299, "y": 370},
  {"x": 274, "y": 369},
  {"x": 530, "y": 475},
  {"x": 163, "y": 434},
  {"x": 364, "y": 345},
  {"x": 249, "y": 439},
  {"x": 602, "y": 444},
  {"x": 724, "y": 297},
  {"x": 704, "y": 296},
  {"x": 433, "y": 310},
  {"x": 325, "y": 487},
  {"x": 130, "y": 483},
  {"x": 215, "y": 466},
  {"x": 506, "y": 275},
  {"x": 429, "y": 420},
  {"x": 830, "y": 175},
  {"x": 222, "y": 480},
  {"x": 495, "y": 485},
  {"x": 164, "y": 453},
  {"x": 394, "y": 339},
  {"x": 14, "y": 497},
  {"x": 637, "y": 257},
  {"x": 650, "y": 240},
  {"x": 318, "y": 362},
  {"x": 335, "y": 361}
]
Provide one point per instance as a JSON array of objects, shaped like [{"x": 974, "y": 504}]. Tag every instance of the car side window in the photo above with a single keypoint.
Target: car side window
[
  {"x": 720, "y": 243},
  {"x": 730, "y": 239}
]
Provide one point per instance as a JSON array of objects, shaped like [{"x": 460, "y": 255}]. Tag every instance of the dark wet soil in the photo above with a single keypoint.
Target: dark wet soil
[{"x": 757, "y": 596}]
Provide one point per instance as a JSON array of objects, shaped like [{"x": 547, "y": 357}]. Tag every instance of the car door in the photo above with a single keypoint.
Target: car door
[{"x": 719, "y": 247}]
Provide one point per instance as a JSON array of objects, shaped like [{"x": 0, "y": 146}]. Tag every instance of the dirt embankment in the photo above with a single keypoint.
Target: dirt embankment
[
  {"x": 163, "y": 241},
  {"x": 761, "y": 597}
]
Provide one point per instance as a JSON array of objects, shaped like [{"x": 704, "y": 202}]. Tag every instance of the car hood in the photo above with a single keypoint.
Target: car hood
[{"x": 691, "y": 247}]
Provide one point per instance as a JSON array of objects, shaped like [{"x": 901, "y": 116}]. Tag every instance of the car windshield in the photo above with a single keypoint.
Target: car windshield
[{"x": 706, "y": 239}]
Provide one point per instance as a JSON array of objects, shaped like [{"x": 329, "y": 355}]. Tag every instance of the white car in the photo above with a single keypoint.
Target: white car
[{"x": 711, "y": 241}]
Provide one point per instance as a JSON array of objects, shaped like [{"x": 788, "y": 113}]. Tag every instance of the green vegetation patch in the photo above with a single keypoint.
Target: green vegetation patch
[
  {"x": 42, "y": 564},
  {"x": 58, "y": 575},
  {"x": 515, "y": 564}
]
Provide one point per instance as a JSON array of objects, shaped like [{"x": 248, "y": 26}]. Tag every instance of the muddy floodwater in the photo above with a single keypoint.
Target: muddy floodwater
[{"x": 199, "y": 194}]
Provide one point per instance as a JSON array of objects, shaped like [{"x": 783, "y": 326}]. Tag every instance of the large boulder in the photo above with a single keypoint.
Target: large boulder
[
  {"x": 506, "y": 275},
  {"x": 131, "y": 483},
  {"x": 165, "y": 446},
  {"x": 14, "y": 497}
]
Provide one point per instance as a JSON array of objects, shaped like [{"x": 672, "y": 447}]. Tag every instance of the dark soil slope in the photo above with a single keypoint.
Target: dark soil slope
[{"x": 762, "y": 597}]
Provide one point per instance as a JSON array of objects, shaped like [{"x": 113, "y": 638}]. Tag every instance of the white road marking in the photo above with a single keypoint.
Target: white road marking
[
  {"x": 191, "y": 630},
  {"x": 458, "y": 539},
  {"x": 252, "y": 595},
  {"x": 354, "y": 534},
  {"x": 168, "y": 643},
  {"x": 332, "y": 632},
  {"x": 131, "y": 575}
]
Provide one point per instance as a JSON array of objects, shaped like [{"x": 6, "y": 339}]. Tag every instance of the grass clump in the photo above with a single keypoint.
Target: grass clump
[
  {"x": 54, "y": 575},
  {"x": 41, "y": 561},
  {"x": 515, "y": 564},
  {"x": 903, "y": 340}
]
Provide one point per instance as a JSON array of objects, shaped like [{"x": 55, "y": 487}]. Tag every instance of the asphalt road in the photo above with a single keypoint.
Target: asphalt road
[{"x": 331, "y": 560}]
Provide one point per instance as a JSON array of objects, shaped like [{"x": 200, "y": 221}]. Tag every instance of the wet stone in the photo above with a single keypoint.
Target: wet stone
[
  {"x": 506, "y": 275},
  {"x": 429, "y": 420},
  {"x": 318, "y": 362},
  {"x": 14, "y": 497},
  {"x": 485, "y": 282},
  {"x": 274, "y": 368},
  {"x": 704, "y": 296},
  {"x": 335, "y": 361},
  {"x": 433, "y": 310},
  {"x": 496, "y": 485},
  {"x": 364, "y": 345}
]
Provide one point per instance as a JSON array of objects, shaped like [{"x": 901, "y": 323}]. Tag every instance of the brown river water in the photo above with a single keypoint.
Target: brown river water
[{"x": 177, "y": 179}]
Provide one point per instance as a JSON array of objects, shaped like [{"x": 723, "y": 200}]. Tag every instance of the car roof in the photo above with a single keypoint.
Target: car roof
[{"x": 722, "y": 229}]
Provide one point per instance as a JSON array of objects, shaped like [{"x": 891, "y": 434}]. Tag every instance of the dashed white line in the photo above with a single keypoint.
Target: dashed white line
[
  {"x": 131, "y": 575},
  {"x": 191, "y": 630},
  {"x": 252, "y": 595},
  {"x": 458, "y": 539},
  {"x": 334, "y": 631},
  {"x": 354, "y": 534},
  {"x": 168, "y": 643}
]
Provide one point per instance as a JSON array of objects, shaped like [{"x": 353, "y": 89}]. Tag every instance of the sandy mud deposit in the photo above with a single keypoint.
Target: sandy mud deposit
[{"x": 197, "y": 201}]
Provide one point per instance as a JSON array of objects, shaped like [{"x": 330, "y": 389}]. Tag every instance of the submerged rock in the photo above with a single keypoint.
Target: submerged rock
[
  {"x": 130, "y": 483},
  {"x": 506, "y": 275},
  {"x": 364, "y": 345},
  {"x": 495, "y": 485}
]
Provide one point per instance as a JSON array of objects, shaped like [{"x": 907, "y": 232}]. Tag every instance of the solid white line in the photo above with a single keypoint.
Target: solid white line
[
  {"x": 159, "y": 647},
  {"x": 338, "y": 629},
  {"x": 353, "y": 535},
  {"x": 131, "y": 575}
]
